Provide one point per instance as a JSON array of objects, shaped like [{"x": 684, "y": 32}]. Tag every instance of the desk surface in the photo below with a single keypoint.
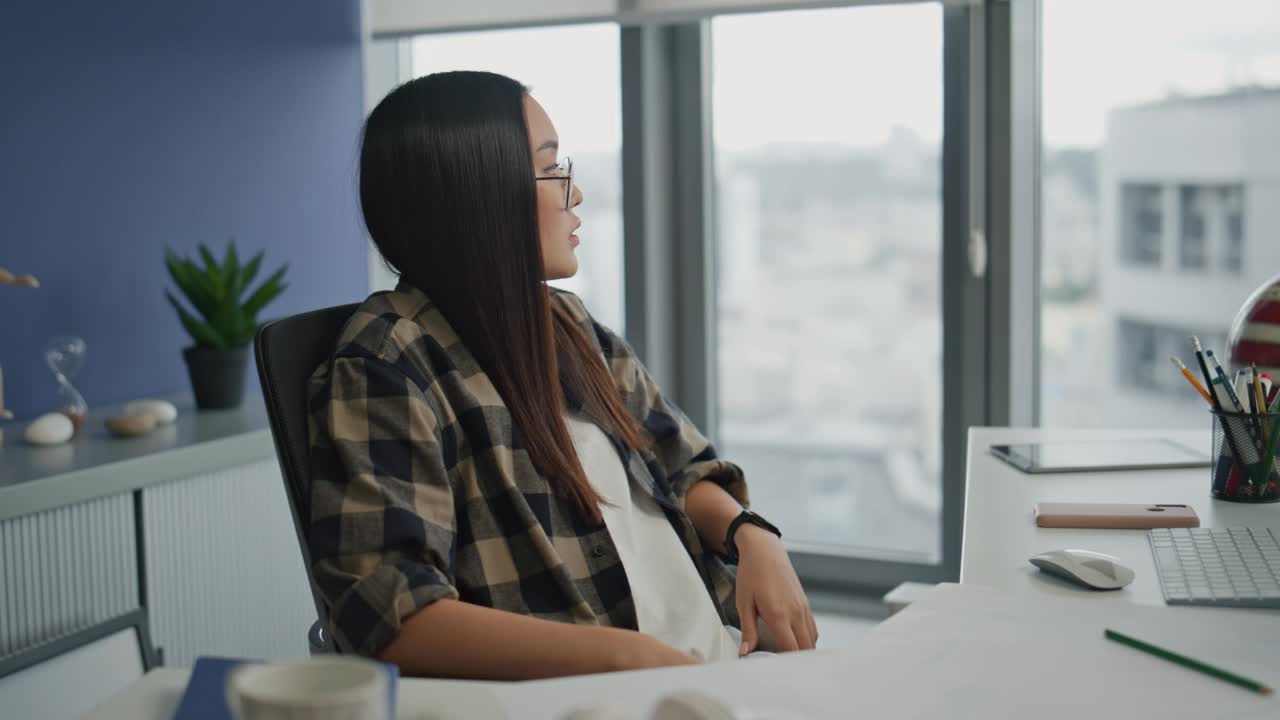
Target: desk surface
[
  {"x": 999, "y": 523},
  {"x": 959, "y": 651}
]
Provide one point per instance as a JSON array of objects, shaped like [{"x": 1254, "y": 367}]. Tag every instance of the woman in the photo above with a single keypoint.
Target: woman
[{"x": 500, "y": 490}]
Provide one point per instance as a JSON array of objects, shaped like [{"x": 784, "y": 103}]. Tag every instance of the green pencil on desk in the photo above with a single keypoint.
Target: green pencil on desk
[{"x": 1185, "y": 661}]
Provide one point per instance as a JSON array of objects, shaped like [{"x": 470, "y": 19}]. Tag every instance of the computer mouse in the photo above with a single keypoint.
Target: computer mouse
[{"x": 1082, "y": 567}]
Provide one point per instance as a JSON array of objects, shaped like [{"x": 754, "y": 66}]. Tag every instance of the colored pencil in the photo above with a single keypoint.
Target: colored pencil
[
  {"x": 1187, "y": 662},
  {"x": 1204, "y": 367},
  {"x": 1259, "y": 398},
  {"x": 1192, "y": 379}
]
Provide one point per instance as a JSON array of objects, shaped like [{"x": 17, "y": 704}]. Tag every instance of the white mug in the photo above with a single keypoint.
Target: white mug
[{"x": 323, "y": 688}]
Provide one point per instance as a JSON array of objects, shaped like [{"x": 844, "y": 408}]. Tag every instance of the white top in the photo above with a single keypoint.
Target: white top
[{"x": 672, "y": 603}]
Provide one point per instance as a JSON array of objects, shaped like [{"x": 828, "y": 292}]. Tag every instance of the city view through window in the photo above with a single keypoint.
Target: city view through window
[
  {"x": 1158, "y": 188},
  {"x": 828, "y": 185},
  {"x": 1158, "y": 196},
  {"x": 1157, "y": 222}
]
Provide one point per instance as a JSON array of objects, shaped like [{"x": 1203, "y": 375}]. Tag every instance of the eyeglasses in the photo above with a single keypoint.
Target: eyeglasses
[{"x": 564, "y": 171}]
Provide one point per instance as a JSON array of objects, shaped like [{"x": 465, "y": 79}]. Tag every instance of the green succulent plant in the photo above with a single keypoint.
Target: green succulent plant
[{"x": 215, "y": 291}]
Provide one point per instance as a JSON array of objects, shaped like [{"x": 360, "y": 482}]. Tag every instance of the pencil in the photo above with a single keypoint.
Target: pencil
[
  {"x": 1226, "y": 381},
  {"x": 1259, "y": 398},
  {"x": 1187, "y": 662},
  {"x": 1248, "y": 390},
  {"x": 1192, "y": 379},
  {"x": 1217, "y": 403},
  {"x": 1264, "y": 422},
  {"x": 1229, "y": 424},
  {"x": 1204, "y": 368}
]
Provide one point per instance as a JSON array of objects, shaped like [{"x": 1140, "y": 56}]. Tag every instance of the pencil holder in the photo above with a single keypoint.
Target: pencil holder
[{"x": 1246, "y": 464}]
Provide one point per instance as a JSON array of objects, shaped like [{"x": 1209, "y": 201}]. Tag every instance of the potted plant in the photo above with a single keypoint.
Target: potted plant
[{"x": 223, "y": 324}]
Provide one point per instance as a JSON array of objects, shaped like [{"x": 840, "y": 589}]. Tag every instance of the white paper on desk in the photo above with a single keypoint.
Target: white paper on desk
[{"x": 969, "y": 651}]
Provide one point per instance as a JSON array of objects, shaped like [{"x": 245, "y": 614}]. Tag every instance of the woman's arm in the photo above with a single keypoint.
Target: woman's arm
[
  {"x": 711, "y": 508},
  {"x": 769, "y": 594},
  {"x": 451, "y": 638}
]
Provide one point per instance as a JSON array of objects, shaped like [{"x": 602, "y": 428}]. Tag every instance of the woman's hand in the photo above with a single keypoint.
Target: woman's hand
[
  {"x": 633, "y": 650},
  {"x": 769, "y": 589}
]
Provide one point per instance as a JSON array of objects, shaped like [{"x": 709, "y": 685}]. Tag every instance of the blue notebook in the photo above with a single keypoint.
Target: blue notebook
[{"x": 206, "y": 695}]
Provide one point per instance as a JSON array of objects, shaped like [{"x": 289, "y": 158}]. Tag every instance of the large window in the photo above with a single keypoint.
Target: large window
[
  {"x": 827, "y": 132},
  {"x": 573, "y": 72},
  {"x": 1160, "y": 153},
  {"x": 1157, "y": 213}
]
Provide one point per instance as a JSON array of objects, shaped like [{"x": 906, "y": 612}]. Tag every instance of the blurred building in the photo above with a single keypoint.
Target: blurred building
[
  {"x": 1190, "y": 225},
  {"x": 830, "y": 337}
]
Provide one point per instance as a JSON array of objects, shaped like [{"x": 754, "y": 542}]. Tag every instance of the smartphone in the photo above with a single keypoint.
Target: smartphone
[{"x": 1114, "y": 515}]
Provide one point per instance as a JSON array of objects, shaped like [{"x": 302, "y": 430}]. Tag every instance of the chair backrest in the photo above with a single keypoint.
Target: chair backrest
[{"x": 287, "y": 352}]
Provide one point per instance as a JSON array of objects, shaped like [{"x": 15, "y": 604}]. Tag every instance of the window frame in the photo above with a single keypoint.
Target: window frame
[{"x": 672, "y": 315}]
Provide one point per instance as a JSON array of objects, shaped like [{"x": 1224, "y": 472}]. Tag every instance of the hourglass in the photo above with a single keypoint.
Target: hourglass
[{"x": 65, "y": 356}]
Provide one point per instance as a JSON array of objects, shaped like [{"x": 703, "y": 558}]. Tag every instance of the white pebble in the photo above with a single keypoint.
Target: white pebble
[
  {"x": 162, "y": 410},
  {"x": 50, "y": 429},
  {"x": 131, "y": 425}
]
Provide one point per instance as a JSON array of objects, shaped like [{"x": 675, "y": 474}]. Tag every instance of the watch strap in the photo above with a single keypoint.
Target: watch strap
[{"x": 743, "y": 518}]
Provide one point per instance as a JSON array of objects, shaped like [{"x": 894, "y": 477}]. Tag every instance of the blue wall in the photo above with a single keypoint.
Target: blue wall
[{"x": 129, "y": 125}]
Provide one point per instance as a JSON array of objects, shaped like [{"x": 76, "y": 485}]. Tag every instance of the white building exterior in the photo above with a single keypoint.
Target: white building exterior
[{"x": 1190, "y": 226}]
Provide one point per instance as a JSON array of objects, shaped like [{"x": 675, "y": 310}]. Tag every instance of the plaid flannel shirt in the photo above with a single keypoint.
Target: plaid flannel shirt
[{"x": 421, "y": 488}]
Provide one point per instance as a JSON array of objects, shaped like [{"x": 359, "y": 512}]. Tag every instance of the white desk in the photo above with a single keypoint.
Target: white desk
[
  {"x": 1000, "y": 532},
  {"x": 960, "y": 651}
]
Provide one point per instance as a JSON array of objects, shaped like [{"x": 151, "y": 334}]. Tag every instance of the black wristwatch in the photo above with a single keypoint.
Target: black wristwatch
[{"x": 730, "y": 549}]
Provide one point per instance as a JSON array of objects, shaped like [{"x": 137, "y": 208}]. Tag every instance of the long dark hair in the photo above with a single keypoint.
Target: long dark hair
[{"x": 447, "y": 192}]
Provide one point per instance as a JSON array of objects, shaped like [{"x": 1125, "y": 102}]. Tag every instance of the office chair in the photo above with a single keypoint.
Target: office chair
[{"x": 287, "y": 352}]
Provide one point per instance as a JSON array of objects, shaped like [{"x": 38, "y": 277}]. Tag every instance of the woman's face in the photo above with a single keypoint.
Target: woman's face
[{"x": 555, "y": 223}]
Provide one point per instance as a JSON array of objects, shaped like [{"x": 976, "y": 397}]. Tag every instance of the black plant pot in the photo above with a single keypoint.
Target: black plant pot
[{"x": 217, "y": 375}]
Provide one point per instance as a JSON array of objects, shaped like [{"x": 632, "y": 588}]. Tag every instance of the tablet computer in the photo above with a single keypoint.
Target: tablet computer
[{"x": 1100, "y": 455}]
